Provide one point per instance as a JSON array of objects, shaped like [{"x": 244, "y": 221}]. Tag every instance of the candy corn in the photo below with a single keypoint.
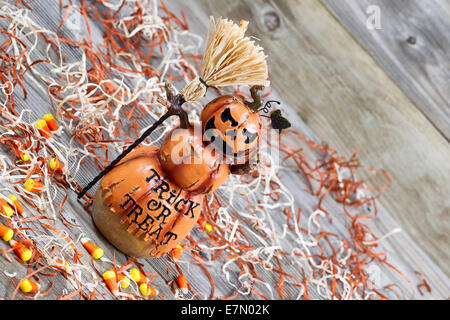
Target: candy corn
[
  {"x": 43, "y": 128},
  {"x": 110, "y": 280},
  {"x": 206, "y": 226},
  {"x": 56, "y": 165},
  {"x": 176, "y": 252},
  {"x": 182, "y": 284},
  {"x": 138, "y": 276},
  {"x": 147, "y": 290},
  {"x": 33, "y": 185},
  {"x": 123, "y": 281},
  {"x": 25, "y": 157},
  {"x": 16, "y": 204},
  {"x": 51, "y": 122},
  {"x": 6, "y": 208},
  {"x": 6, "y": 233},
  {"x": 201, "y": 222},
  {"x": 23, "y": 252},
  {"x": 27, "y": 285},
  {"x": 94, "y": 250},
  {"x": 62, "y": 265}
]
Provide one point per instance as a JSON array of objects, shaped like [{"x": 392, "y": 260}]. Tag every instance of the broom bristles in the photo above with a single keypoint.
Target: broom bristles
[{"x": 230, "y": 59}]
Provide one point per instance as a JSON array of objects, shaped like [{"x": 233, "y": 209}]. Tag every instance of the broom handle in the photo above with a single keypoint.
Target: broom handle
[{"x": 124, "y": 153}]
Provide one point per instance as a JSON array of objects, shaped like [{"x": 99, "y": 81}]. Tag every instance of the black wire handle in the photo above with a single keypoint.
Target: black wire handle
[
  {"x": 176, "y": 101},
  {"x": 268, "y": 105},
  {"x": 123, "y": 154}
]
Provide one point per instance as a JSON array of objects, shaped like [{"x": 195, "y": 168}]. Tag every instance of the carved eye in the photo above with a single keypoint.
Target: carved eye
[
  {"x": 227, "y": 117},
  {"x": 250, "y": 136},
  {"x": 230, "y": 125}
]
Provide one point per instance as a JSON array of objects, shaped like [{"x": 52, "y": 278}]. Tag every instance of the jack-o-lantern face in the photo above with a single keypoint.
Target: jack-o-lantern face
[
  {"x": 231, "y": 126},
  {"x": 190, "y": 163}
]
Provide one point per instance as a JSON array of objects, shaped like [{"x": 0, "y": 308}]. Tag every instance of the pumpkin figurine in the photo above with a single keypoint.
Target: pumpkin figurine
[{"x": 151, "y": 197}]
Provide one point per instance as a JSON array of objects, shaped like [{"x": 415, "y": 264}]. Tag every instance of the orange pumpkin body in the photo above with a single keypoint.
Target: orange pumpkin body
[
  {"x": 189, "y": 163},
  {"x": 231, "y": 126},
  {"x": 140, "y": 210}
]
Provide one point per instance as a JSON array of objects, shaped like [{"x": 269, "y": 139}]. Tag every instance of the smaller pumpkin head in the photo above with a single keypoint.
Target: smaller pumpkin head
[
  {"x": 232, "y": 127},
  {"x": 190, "y": 164}
]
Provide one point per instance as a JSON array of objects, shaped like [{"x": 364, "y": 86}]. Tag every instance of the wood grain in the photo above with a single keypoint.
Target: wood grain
[
  {"x": 412, "y": 46},
  {"x": 343, "y": 95}
]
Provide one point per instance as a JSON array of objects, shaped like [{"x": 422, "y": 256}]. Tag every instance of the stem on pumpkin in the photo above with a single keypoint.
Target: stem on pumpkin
[{"x": 256, "y": 96}]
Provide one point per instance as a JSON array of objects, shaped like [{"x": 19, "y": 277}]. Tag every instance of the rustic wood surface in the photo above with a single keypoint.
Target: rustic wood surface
[
  {"x": 346, "y": 99},
  {"x": 412, "y": 46},
  {"x": 333, "y": 91}
]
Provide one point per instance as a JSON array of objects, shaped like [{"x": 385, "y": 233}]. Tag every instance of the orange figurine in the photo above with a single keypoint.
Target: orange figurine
[
  {"x": 153, "y": 197},
  {"x": 150, "y": 198}
]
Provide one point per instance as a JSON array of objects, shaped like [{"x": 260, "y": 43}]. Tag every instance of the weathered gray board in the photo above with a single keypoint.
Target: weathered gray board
[
  {"x": 413, "y": 47},
  {"x": 348, "y": 97},
  {"x": 412, "y": 44}
]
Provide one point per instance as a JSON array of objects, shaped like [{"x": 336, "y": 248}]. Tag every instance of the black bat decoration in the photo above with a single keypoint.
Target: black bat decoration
[{"x": 279, "y": 122}]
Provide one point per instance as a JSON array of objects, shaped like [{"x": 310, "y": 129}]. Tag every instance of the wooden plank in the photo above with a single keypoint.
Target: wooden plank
[
  {"x": 347, "y": 99},
  {"x": 412, "y": 45}
]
